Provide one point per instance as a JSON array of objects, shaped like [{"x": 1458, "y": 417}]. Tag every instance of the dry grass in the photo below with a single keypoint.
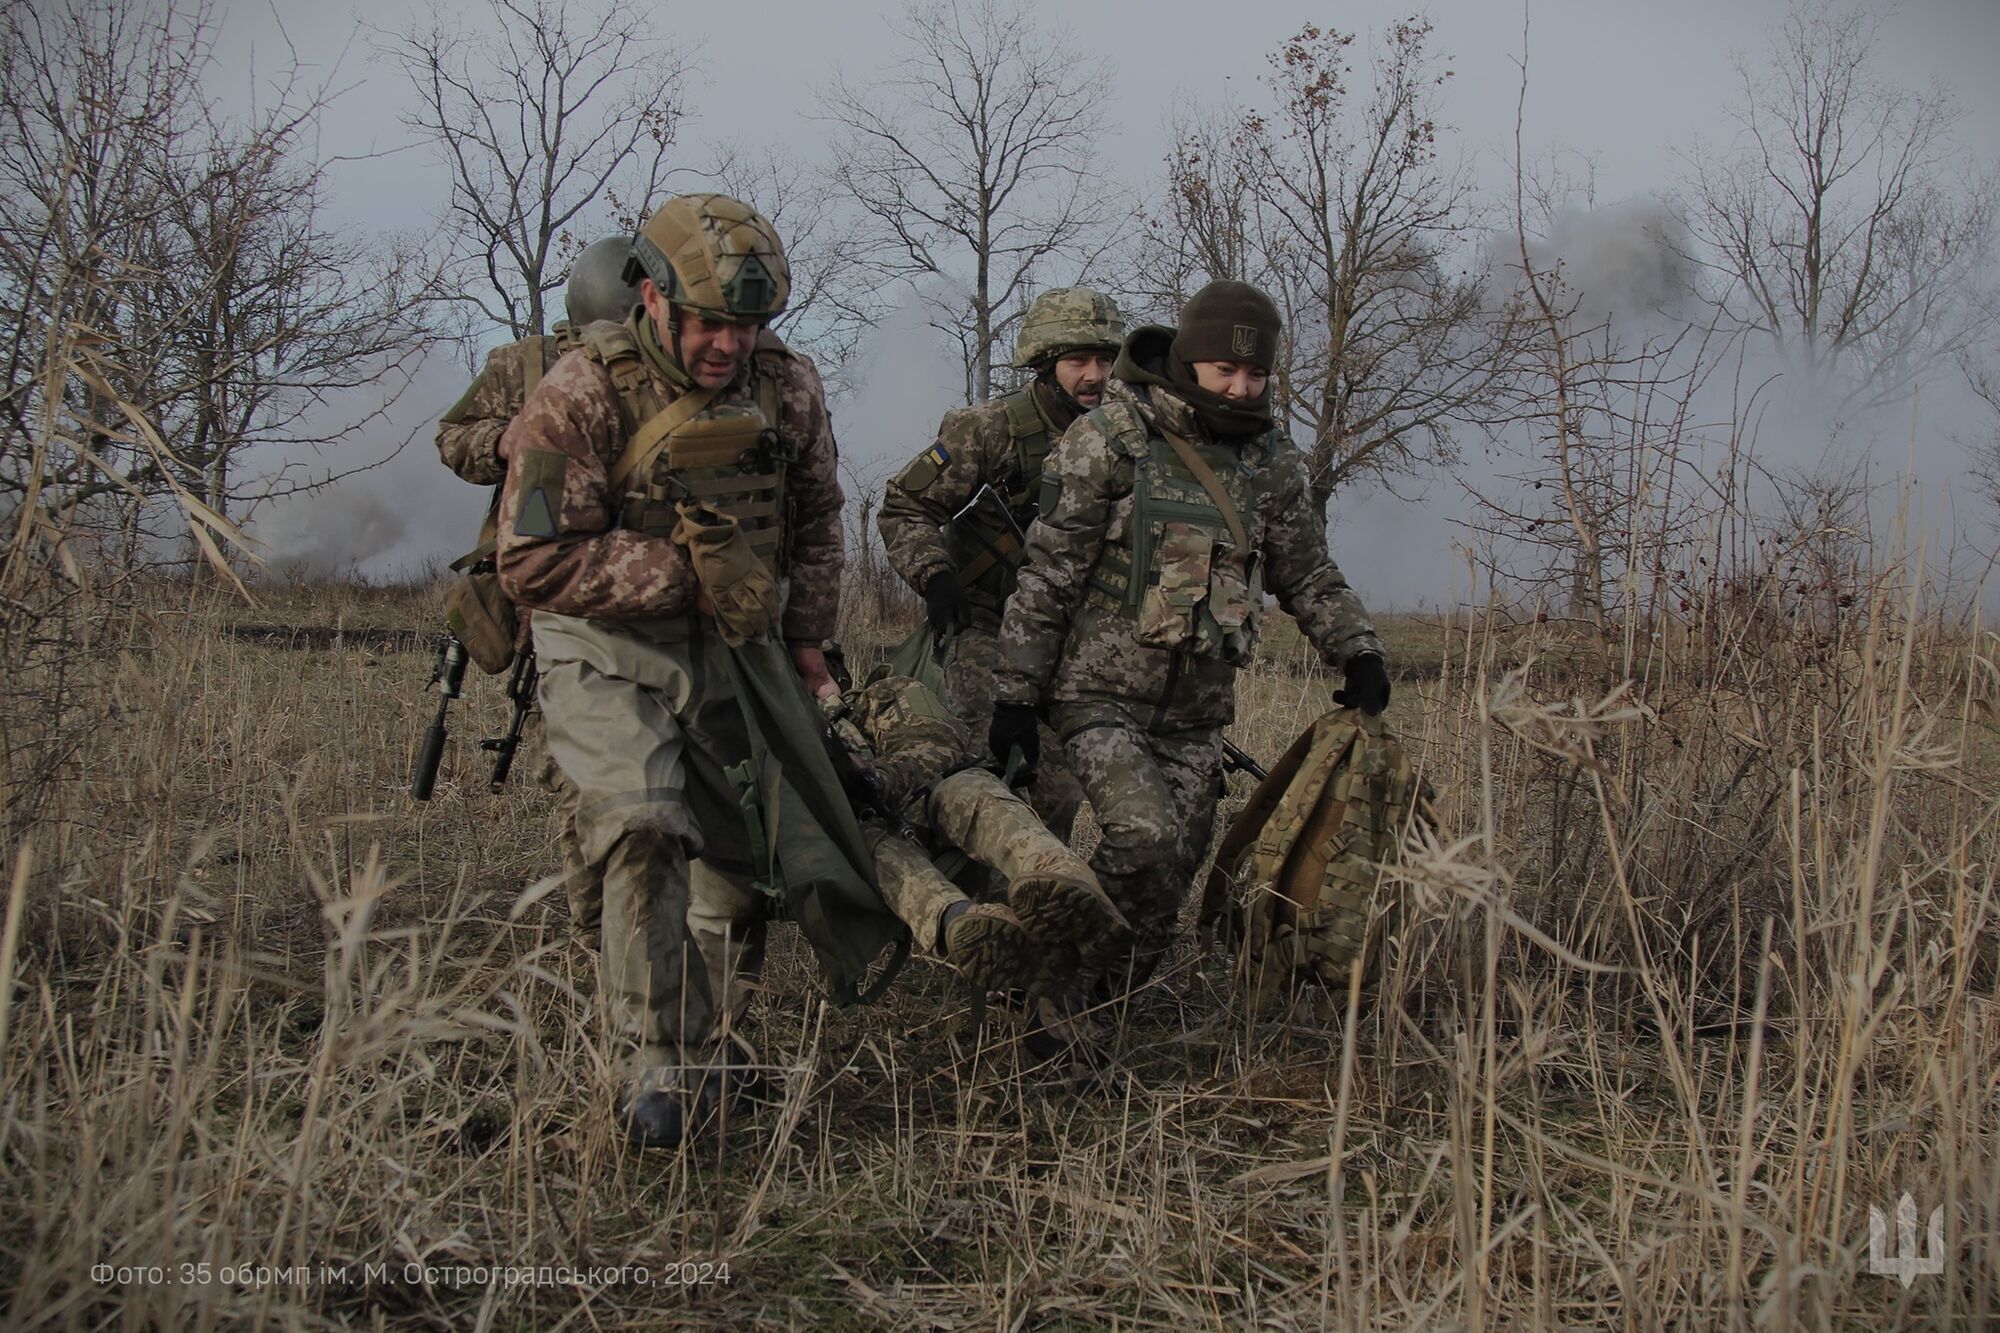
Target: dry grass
[{"x": 1703, "y": 969}]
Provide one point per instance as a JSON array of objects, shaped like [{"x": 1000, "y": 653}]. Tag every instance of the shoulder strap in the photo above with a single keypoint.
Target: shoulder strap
[
  {"x": 1191, "y": 458},
  {"x": 1024, "y": 420},
  {"x": 538, "y": 358},
  {"x": 1125, "y": 426},
  {"x": 651, "y": 437},
  {"x": 770, "y": 399},
  {"x": 612, "y": 346}
]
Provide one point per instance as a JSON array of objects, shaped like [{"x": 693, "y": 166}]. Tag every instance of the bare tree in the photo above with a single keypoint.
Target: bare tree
[
  {"x": 555, "y": 120},
  {"x": 184, "y": 258},
  {"x": 972, "y": 160},
  {"x": 1206, "y": 221},
  {"x": 1392, "y": 340},
  {"x": 1846, "y": 224},
  {"x": 1341, "y": 205}
]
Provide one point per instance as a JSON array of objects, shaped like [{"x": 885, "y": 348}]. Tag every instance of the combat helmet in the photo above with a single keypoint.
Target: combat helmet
[
  {"x": 1067, "y": 319},
  {"x": 714, "y": 255},
  {"x": 597, "y": 288}
]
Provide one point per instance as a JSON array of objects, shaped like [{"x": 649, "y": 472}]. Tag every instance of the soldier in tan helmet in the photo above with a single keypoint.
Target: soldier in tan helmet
[
  {"x": 672, "y": 515},
  {"x": 957, "y": 543}
]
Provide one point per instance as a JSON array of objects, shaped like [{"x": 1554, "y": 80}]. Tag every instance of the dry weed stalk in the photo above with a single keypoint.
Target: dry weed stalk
[{"x": 1698, "y": 970}]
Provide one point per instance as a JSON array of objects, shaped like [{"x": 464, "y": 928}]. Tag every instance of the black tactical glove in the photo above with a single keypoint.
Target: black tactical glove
[
  {"x": 946, "y": 605},
  {"x": 1367, "y": 685},
  {"x": 1014, "y": 729}
]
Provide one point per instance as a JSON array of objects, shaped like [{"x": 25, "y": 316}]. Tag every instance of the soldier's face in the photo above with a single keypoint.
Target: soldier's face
[
  {"x": 1083, "y": 375},
  {"x": 1235, "y": 380},
  {"x": 711, "y": 350}
]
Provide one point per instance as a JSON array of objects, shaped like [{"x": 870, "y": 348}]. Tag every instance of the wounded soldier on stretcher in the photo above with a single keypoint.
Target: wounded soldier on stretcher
[{"x": 929, "y": 812}]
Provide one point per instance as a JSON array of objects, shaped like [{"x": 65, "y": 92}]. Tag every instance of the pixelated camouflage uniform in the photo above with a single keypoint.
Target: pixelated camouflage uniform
[
  {"x": 897, "y": 728},
  {"x": 1138, "y": 673},
  {"x": 468, "y": 434},
  {"x": 1000, "y": 443},
  {"x": 640, "y": 708}
]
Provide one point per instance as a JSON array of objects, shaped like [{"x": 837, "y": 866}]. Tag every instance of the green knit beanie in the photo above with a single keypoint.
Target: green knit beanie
[{"x": 1229, "y": 321}]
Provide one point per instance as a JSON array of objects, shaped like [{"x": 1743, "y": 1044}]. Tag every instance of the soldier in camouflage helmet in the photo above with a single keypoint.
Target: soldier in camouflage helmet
[
  {"x": 928, "y": 802},
  {"x": 1166, "y": 513},
  {"x": 685, "y": 433},
  {"x": 957, "y": 544}
]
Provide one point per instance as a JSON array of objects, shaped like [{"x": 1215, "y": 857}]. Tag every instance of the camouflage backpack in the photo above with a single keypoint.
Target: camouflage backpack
[{"x": 1294, "y": 880}]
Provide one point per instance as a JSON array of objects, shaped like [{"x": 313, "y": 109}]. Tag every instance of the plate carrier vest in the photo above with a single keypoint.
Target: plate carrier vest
[
  {"x": 731, "y": 456},
  {"x": 1193, "y": 588}
]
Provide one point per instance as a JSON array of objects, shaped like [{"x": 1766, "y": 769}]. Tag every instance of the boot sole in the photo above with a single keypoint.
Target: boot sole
[
  {"x": 1070, "y": 918},
  {"x": 994, "y": 954}
]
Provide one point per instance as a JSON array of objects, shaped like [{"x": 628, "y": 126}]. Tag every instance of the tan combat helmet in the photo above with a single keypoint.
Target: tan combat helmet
[
  {"x": 714, "y": 255},
  {"x": 1067, "y": 319}
]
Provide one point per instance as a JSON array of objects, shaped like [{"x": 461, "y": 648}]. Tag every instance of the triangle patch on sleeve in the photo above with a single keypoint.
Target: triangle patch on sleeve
[{"x": 536, "y": 519}]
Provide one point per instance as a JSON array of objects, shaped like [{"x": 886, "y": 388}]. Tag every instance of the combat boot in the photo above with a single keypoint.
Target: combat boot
[
  {"x": 991, "y": 948},
  {"x": 663, "y": 1106},
  {"x": 1054, "y": 893}
]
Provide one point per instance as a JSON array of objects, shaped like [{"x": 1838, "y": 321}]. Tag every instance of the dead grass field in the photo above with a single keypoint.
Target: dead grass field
[{"x": 1701, "y": 970}]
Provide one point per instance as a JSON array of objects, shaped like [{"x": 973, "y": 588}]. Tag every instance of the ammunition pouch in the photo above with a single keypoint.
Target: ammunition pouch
[
  {"x": 730, "y": 570},
  {"x": 483, "y": 619}
]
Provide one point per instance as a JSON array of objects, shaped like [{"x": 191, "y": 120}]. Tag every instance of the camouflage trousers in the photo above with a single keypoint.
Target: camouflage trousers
[
  {"x": 1155, "y": 798},
  {"x": 972, "y": 661},
  {"x": 641, "y": 719},
  {"x": 978, "y": 814}
]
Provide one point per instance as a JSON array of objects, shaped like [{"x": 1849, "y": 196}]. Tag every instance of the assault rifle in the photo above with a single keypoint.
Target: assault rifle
[
  {"x": 1235, "y": 761},
  {"x": 1006, "y": 553},
  {"x": 448, "y": 674},
  {"x": 521, "y": 689}
]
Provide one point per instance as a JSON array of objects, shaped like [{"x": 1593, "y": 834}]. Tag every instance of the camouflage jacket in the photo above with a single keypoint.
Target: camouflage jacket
[
  {"x": 976, "y": 446},
  {"x": 564, "y": 443},
  {"x": 468, "y": 436},
  {"x": 1062, "y": 642},
  {"x": 899, "y": 729}
]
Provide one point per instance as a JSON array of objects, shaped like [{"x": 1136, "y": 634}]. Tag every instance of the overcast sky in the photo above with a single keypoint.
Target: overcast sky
[{"x": 1631, "y": 83}]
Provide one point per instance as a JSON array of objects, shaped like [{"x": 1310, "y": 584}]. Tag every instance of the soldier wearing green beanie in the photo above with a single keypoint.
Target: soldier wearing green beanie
[{"x": 1165, "y": 516}]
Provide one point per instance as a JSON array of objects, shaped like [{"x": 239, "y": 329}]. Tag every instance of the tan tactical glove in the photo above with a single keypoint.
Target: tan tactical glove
[{"x": 735, "y": 577}]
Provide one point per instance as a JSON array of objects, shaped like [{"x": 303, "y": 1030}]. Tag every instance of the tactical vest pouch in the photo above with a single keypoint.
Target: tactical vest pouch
[
  {"x": 1169, "y": 607},
  {"x": 1235, "y": 595},
  {"x": 483, "y": 619},
  {"x": 1293, "y": 891},
  {"x": 729, "y": 569}
]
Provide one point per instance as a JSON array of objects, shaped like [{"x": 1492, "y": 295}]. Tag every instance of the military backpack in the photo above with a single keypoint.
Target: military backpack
[{"x": 1293, "y": 894}]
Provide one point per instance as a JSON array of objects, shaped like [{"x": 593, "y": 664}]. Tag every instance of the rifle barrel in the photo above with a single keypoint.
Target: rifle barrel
[
  {"x": 1233, "y": 757},
  {"x": 424, "y": 778}
]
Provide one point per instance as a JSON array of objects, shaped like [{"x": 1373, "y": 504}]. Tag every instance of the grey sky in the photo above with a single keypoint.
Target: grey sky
[{"x": 1627, "y": 82}]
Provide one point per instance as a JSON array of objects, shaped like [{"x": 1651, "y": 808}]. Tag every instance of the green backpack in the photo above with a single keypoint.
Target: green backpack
[{"x": 1294, "y": 883}]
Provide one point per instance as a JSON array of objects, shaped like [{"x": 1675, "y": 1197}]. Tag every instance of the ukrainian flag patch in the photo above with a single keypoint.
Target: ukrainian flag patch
[{"x": 937, "y": 455}]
